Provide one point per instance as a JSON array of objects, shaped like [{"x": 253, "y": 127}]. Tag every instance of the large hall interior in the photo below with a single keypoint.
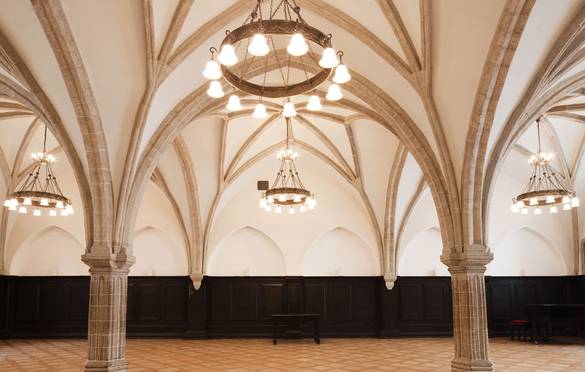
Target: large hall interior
[{"x": 295, "y": 185}]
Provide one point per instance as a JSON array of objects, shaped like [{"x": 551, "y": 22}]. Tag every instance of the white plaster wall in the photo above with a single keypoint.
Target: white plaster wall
[
  {"x": 159, "y": 244},
  {"x": 525, "y": 252},
  {"x": 246, "y": 252},
  {"x": 422, "y": 255},
  {"x": 51, "y": 251},
  {"x": 340, "y": 252},
  {"x": 339, "y": 205},
  {"x": 158, "y": 254}
]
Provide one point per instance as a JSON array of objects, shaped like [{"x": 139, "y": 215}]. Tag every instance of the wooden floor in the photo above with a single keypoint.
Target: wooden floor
[{"x": 408, "y": 354}]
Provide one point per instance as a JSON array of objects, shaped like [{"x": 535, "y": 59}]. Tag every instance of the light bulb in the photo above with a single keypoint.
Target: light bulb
[
  {"x": 566, "y": 199},
  {"x": 22, "y": 210},
  {"x": 59, "y": 204},
  {"x": 575, "y": 202},
  {"x": 262, "y": 203},
  {"x": 297, "y": 199},
  {"x": 13, "y": 207},
  {"x": 311, "y": 207},
  {"x": 550, "y": 199},
  {"x": 270, "y": 199},
  {"x": 260, "y": 111},
  {"x": 303, "y": 208},
  {"x": 520, "y": 204},
  {"x": 215, "y": 90},
  {"x": 537, "y": 210},
  {"x": 567, "y": 206},
  {"x": 553, "y": 210},
  {"x": 341, "y": 74},
  {"x": 533, "y": 201},
  {"x": 212, "y": 70},
  {"x": 52, "y": 213},
  {"x": 329, "y": 58},
  {"x": 278, "y": 209},
  {"x": 258, "y": 47},
  {"x": 63, "y": 213},
  {"x": 297, "y": 46},
  {"x": 69, "y": 209},
  {"x": 44, "y": 202},
  {"x": 289, "y": 110},
  {"x": 282, "y": 198},
  {"x": 334, "y": 93},
  {"x": 7, "y": 203},
  {"x": 514, "y": 208},
  {"x": 27, "y": 201},
  {"x": 291, "y": 210},
  {"x": 268, "y": 208},
  {"x": 37, "y": 212},
  {"x": 234, "y": 103},
  {"x": 314, "y": 103},
  {"x": 227, "y": 55}
]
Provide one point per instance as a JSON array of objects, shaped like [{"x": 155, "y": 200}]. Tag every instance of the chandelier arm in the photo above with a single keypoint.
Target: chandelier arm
[
  {"x": 272, "y": 14},
  {"x": 54, "y": 184},
  {"x": 45, "y": 141},
  {"x": 277, "y": 60}
]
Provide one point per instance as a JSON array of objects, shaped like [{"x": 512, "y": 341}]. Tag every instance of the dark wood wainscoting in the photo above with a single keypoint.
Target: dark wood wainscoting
[{"x": 242, "y": 306}]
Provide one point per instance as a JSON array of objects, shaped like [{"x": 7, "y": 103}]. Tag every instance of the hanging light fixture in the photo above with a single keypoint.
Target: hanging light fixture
[
  {"x": 287, "y": 190},
  {"x": 545, "y": 188},
  {"x": 40, "y": 189},
  {"x": 250, "y": 52}
]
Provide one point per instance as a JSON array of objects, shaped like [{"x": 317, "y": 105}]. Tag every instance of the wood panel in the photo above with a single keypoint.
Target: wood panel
[{"x": 242, "y": 306}]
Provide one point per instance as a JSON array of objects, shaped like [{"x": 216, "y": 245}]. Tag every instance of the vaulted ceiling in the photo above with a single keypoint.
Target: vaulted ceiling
[{"x": 121, "y": 81}]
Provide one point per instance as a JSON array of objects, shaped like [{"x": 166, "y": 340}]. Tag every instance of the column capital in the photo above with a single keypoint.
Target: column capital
[
  {"x": 472, "y": 259},
  {"x": 108, "y": 262}
]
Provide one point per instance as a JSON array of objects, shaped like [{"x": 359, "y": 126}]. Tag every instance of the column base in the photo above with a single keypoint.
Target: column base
[
  {"x": 465, "y": 365},
  {"x": 106, "y": 366}
]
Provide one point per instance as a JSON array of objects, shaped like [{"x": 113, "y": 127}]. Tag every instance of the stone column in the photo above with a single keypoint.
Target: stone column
[
  {"x": 470, "y": 330},
  {"x": 107, "y": 313}
]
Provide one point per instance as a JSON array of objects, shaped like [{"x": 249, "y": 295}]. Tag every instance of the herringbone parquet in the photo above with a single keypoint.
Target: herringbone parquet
[{"x": 408, "y": 354}]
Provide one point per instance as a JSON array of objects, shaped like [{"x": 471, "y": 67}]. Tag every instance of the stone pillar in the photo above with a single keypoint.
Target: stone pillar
[
  {"x": 107, "y": 313},
  {"x": 470, "y": 330}
]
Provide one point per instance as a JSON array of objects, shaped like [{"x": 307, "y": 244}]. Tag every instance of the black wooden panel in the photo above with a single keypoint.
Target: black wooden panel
[
  {"x": 55, "y": 303},
  {"x": 524, "y": 294},
  {"x": 315, "y": 299},
  {"x": 410, "y": 302},
  {"x": 501, "y": 302},
  {"x": 272, "y": 299},
  {"x": 242, "y": 306},
  {"x": 78, "y": 302},
  {"x": 150, "y": 302},
  {"x": 245, "y": 301},
  {"x": 434, "y": 298},
  {"x": 338, "y": 302},
  {"x": 364, "y": 302},
  {"x": 175, "y": 303},
  {"x": 26, "y": 303}
]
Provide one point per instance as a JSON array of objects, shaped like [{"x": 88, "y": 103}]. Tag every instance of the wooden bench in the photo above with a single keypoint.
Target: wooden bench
[{"x": 277, "y": 318}]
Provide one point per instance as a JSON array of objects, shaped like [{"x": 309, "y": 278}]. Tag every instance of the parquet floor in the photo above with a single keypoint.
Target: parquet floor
[{"x": 407, "y": 354}]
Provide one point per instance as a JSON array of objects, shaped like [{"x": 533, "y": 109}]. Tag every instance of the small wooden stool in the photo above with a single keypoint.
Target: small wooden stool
[{"x": 519, "y": 329}]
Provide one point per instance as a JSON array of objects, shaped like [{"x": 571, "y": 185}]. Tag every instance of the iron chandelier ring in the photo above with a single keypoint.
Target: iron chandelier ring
[
  {"x": 276, "y": 27},
  {"x": 558, "y": 195},
  {"x": 34, "y": 195}
]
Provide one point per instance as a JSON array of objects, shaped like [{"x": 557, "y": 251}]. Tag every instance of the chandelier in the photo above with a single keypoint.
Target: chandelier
[
  {"x": 40, "y": 190},
  {"x": 545, "y": 187},
  {"x": 298, "y": 68},
  {"x": 287, "y": 190}
]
